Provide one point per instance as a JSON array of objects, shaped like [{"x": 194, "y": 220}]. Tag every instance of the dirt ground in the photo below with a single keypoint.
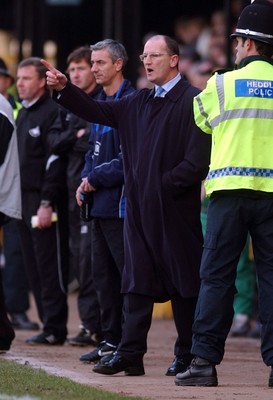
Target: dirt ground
[{"x": 242, "y": 375}]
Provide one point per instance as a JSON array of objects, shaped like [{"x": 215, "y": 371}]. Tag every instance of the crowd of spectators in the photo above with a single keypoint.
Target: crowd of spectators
[{"x": 204, "y": 45}]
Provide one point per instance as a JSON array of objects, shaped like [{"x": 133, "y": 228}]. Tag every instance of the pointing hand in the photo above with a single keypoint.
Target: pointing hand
[{"x": 55, "y": 79}]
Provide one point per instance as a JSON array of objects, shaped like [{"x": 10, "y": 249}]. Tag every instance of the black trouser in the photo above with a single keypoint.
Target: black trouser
[
  {"x": 15, "y": 283},
  {"x": 230, "y": 218},
  {"x": 137, "y": 313},
  {"x": 6, "y": 331},
  {"x": 107, "y": 264},
  {"x": 43, "y": 269},
  {"x": 80, "y": 248}
]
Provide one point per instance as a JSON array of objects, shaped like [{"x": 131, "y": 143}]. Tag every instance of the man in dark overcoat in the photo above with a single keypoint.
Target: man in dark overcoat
[{"x": 165, "y": 159}]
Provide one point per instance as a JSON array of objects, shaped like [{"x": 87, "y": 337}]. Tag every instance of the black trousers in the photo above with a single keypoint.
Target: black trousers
[
  {"x": 137, "y": 313},
  {"x": 80, "y": 251},
  {"x": 6, "y": 330},
  {"x": 230, "y": 218},
  {"x": 107, "y": 265},
  {"x": 15, "y": 283},
  {"x": 43, "y": 268}
]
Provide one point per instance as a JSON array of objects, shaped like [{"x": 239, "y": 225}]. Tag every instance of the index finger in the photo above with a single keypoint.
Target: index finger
[{"x": 49, "y": 66}]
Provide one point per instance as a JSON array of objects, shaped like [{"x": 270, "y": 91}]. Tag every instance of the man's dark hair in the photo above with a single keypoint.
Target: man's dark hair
[
  {"x": 264, "y": 49},
  {"x": 81, "y": 53},
  {"x": 172, "y": 45},
  {"x": 36, "y": 62}
]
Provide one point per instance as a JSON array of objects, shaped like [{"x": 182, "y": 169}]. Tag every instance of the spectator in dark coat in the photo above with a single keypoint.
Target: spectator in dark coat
[
  {"x": 10, "y": 199},
  {"x": 41, "y": 184},
  {"x": 15, "y": 283},
  {"x": 165, "y": 159}
]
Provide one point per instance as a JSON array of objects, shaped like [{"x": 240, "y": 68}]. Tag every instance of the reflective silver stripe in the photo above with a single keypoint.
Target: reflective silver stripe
[
  {"x": 202, "y": 111},
  {"x": 242, "y": 113},
  {"x": 259, "y": 34},
  {"x": 233, "y": 114},
  {"x": 240, "y": 171},
  {"x": 220, "y": 91}
]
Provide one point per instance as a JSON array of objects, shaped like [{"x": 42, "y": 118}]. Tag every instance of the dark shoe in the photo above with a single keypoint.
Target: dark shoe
[
  {"x": 119, "y": 364},
  {"x": 270, "y": 382},
  {"x": 85, "y": 338},
  {"x": 4, "y": 346},
  {"x": 21, "y": 321},
  {"x": 7, "y": 336},
  {"x": 179, "y": 364},
  {"x": 200, "y": 373},
  {"x": 104, "y": 349},
  {"x": 45, "y": 338}
]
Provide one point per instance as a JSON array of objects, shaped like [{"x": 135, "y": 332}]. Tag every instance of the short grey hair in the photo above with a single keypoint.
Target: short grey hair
[{"x": 114, "y": 48}]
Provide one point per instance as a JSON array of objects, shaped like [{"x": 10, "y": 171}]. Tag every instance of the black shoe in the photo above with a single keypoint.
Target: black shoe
[
  {"x": 200, "y": 373},
  {"x": 179, "y": 364},
  {"x": 4, "y": 346},
  {"x": 104, "y": 349},
  {"x": 45, "y": 338},
  {"x": 270, "y": 382},
  {"x": 21, "y": 321},
  {"x": 7, "y": 336},
  {"x": 85, "y": 338},
  {"x": 119, "y": 364}
]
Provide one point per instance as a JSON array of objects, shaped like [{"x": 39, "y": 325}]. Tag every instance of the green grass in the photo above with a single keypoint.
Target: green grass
[{"x": 22, "y": 380}]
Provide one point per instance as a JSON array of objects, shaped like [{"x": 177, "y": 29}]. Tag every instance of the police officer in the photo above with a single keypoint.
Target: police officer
[{"x": 236, "y": 108}]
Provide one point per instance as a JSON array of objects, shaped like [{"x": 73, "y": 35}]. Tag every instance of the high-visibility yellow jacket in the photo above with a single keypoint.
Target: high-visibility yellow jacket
[
  {"x": 16, "y": 109},
  {"x": 236, "y": 108},
  {"x": 16, "y": 106}
]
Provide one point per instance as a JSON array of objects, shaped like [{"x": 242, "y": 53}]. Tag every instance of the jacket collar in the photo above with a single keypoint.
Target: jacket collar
[
  {"x": 250, "y": 59},
  {"x": 35, "y": 102},
  {"x": 124, "y": 88}
]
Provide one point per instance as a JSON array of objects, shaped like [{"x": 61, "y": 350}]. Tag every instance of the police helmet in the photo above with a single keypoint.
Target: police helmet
[{"x": 256, "y": 22}]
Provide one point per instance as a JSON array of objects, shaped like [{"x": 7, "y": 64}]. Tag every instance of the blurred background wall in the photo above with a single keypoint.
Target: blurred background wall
[{"x": 53, "y": 28}]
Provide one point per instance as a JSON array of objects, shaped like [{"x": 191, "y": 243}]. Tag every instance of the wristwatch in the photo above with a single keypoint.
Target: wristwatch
[{"x": 45, "y": 203}]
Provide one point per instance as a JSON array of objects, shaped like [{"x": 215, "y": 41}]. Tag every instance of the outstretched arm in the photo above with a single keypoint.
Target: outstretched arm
[
  {"x": 78, "y": 102},
  {"x": 55, "y": 79}
]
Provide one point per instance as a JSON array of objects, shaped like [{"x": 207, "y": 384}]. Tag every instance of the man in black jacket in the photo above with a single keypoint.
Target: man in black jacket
[
  {"x": 10, "y": 199},
  {"x": 14, "y": 276},
  {"x": 41, "y": 182}
]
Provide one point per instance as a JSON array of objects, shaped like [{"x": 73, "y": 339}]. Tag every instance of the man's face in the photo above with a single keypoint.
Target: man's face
[
  {"x": 80, "y": 74},
  {"x": 158, "y": 64},
  {"x": 28, "y": 83},
  {"x": 103, "y": 68},
  {"x": 240, "y": 50}
]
